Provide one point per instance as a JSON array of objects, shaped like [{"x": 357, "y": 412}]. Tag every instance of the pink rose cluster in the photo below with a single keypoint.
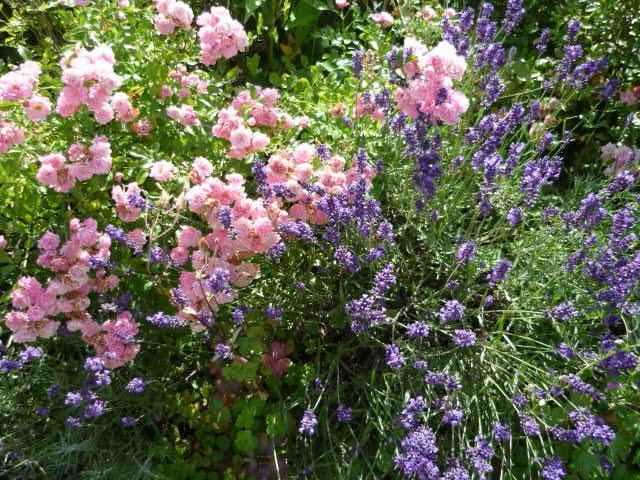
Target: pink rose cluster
[
  {"x": 127, "y": 201},
  {"x": 89, "y": 79},
  {"x": 81, "y": 163},
  {"x": 172, "y": 14},
  {"x": 79, "y": 267},
  {"x": 20, "y": 85},
  {"x": 187, "y": 84},
  {"x": 235, "y": 123},
  {"x": 240, "y": 227},
  {"x": 384, "y": 19},
  {"x": 185, "y": 115},
  {"x": 10, "y": 135},
  {"x": 430, "y": 75},
  {"x": 290, "y": 168},
  {"x": 220, "y": 36},
  {"x": 621, "y": 157}
]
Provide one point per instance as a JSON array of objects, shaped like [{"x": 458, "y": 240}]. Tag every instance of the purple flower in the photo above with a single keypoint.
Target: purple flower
[
  {"x": 136, "y": 385},
  {"x": 499, "y": 272},
  {"x": 480, "y": 456},
  {"x": 619, "y": 362},
  {"x": 563, "y": 312},
  {"x": 308, "y": 423},
  {"x": 409, "y": 417},
  {"x": 29, "y": 354},
  {"x": 565, "y": 351},
  {"x": 73, "y": 398},
  {"x": 274, "y": 313},
  {"x": 543, "y": 41},
  {"x": 466, "y": 252},
  {"x": 552, "y": 469},
  {"x": 418, "y": 330},
  {"x": 73, "y": 422},
  {"x": 452, "y": 311},
  {"x": 529, "y": 425},
  {"x": 394, "y": 356},
  {"x": 515, "y": 216},
  {"x": 95, "y": 409},
  {"x": 163, "y": 320},
  {"x": 218, "y": 281},
  {"x": 93, "y": 364},
  {"x": 464, "y": 338},
  {"x": 223, "y": 351},
  {"x": 513, "y": 15},
  {"x": 344, "y": 414},
  {"x": 453, "y": 417},
  {"x": 418, "y": 455},
  {"x": 501, "y": 431},
  {"x": 128, "y": 421}
]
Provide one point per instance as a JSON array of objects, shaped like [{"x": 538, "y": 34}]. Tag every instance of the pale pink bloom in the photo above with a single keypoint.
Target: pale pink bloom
[
  {"x": 3, "y": 242},
  {"x": 628, "y": 97},
  {"x": 449, "y": 12},
  {"x": 137, "y": 238},
  {"x": 19, "y": 84},
  {"x": 49, "y": 241},
  {"x": 121, "y": 104},
  {"x": 185, "y": 115},
  {"x": 384, "y": 19},
  {"x": 122, "y": 198},
  {"x": 37, "y": 108},
  {"x": 342, "y": 3},
  {"x": 201, "y": 169},
  {"x": 179, "y": 255},
  {"x": 10, "y": 135},
  {"x": 161, "y": 171},
  {"x": 188, "y": 237},
  {"x": 123, "y": 3},
  {"x": 220, "y": 36}
]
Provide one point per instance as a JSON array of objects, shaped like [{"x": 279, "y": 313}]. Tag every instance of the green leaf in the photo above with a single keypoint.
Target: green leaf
[{"x": 245, "y": 441}]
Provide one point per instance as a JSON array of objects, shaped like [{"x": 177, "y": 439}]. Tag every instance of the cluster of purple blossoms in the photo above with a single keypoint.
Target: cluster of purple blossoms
[
  {"x": 347, "y": 259},
  {"x": 223, "y": 351},
  {"x": 552, "y": 469},
  {"x": 538, "y": 173},
  {"x": 418, "y": 330},
  {"x": 466, "y": 252},
  {"x": 587, "y": 427},
  {"x": 394, "y": 357},
  {"x": 453, "y": 417},
  {"x": 575, "y": 384},
  {"x": 369, "y": 310},
  {"x": 418, "y": 454},
  {"x": 410, "y": 415},
  {"x": 464, "y": 338},
  {"x": 529, "y": 425},
  {"x": 164, "y": 320},
  {"x": 499, "y": 272},
  {"x": 344, "y": 414},
  {"x": 28, "y": 355},
  {"x": 452, "y": 311},
  {"x": 98, "y": 376},
  {"x": 480, "y": 457},
  {"x": 501, "y": 432},
  {"x": 136, "y": 385},
  {"x": 308, "y": 423},
  {"x": 563, "y": 312}
]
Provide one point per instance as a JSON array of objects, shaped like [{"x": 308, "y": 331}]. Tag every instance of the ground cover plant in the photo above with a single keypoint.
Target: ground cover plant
[{"x": 318, "y": 239}]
